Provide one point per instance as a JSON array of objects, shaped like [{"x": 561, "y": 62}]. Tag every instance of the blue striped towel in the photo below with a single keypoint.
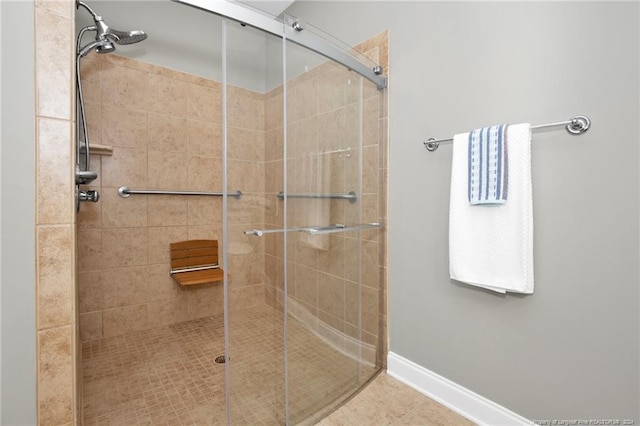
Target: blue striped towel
[{"x": 488, "y": 171}]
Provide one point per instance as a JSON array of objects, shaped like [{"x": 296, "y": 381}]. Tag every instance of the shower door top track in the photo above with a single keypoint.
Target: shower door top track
[{"x": 294, "y": 33}]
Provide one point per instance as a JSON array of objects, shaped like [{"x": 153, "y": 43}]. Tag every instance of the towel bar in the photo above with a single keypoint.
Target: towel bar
[
  {"x": 576, "y": 126},
  {"x": 316, "y": 230},
  {"x": 352, "y": 196}
]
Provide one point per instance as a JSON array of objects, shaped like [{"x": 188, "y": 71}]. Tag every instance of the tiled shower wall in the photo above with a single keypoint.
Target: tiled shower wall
[
  {"x": 165, "y": 130},
  {"x": 57, "y": 345}
]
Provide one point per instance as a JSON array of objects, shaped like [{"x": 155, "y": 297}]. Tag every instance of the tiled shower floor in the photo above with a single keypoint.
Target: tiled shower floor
[{"x": 168, "y": 376}]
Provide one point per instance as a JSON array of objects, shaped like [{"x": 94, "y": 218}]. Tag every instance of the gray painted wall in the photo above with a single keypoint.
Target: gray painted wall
[
  {"x": 18, "y": 384},
  {"x": 570, "y": 350}
]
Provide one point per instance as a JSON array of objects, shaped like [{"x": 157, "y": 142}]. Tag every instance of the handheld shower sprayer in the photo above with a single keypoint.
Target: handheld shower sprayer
[{"x": 105, "y": 40}]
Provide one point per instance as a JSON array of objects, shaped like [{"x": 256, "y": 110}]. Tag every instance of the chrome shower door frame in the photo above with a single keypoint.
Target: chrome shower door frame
[{"x": 294, "y": 33}]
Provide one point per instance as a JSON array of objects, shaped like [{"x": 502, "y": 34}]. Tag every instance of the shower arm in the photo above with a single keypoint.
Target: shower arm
[{"x": 93, "y": 14}]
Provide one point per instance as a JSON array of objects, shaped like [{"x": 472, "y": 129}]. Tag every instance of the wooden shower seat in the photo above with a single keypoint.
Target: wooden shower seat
[{"x": 195, "y": 262}]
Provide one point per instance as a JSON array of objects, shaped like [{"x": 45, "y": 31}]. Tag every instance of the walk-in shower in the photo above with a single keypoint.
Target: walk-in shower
[
  {"x": 103, "y": 43},
  {"x": 261, "y": 134}
]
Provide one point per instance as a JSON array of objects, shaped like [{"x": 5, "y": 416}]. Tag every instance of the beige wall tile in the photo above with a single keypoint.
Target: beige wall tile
[
  {"x": 205, "y": 300},
  {"x": 90, "y": 215},
  {"x": 242, "y": 297},
  {"x": 332, "y": 130},
  {"x": 89, "y": 249},
  {"x": 205, "y": 210},
  {"x": 123, "y": 86},
  {"x": 167, "y": 210},
  {"x": 245, "y": 110},
  {"x": 55, "y": 376},
  {"x": 371, "y": 121},
  {"x": 53, "y": 64},
  {"x": 91, "y": 326},
  {"x": 240, "y": 270},
  {"x": 370, "y": 264},
  {"x": 167, "y": 133},
  {"x": 55, "y": 276},
  {"x": 307, "y": 287},
  {"x": 273, "y": 176},
  {"x": 205, "y": 174},
  {"x": 124, "y": 287},
  {"x": 246, "y": 176},
  {"x": 302, "y": 100},
  {"x": 332, "y": 90},
  {"x": 93, "y": 114},
  {"x": 123, "y": 247},
  {"x": 273, "y": 110},
  {"x": 302, "y": 137},
  {"x": 90, "y": 291},
  {"x": 205, "y": 138},
  {"x": 118, "y": 212},
  {"x": 206, "y": 232},
  {"x": 273, "y": 144},
  {"x": 370, "y": 169},
  {"x": 63, "y": 8},
  {"x": 126, "y": 167},
  {"x": 160, "y": 285},
  {"x": 168, "y": 170},
  {"x": 204, "y": 103},
  {"x": 54, "y": 172},
  {"x": 351, "y": 258},
  {"x": 245, "y": 243},
  {"x": 249, "y": 209},
  {"x": 90, "y": 72},
  {"x": 331, "y": 295},
  {"x": 116, "y": 322},
  {"x": 159, "y": 240},
  {"x": 352, "y": 303},
  {"x": 332, "y": 261},
  {"x": 369, "y": 309},
  {"x": 167, "y": 95},
  {"x": 168, "y": 311},
  {"x": 243, "y": 144},
  {"x": 124, "y": 127}
]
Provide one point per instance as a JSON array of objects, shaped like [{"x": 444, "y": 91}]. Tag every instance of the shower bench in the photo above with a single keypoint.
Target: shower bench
[{"x": 195, "y": 262}]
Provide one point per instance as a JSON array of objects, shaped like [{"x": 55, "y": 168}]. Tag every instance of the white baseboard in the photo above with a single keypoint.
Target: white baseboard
[{"x": 457, "y": 398}]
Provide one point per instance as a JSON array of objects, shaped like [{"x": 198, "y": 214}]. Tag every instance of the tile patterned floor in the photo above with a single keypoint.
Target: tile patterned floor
[
  {"x": 168, "y": 376},
  {"x": 386, "y": 401}
]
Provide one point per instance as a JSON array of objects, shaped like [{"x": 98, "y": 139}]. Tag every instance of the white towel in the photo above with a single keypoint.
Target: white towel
[
  {"x": 318, "y": 211},
  {"x": 493, "y": 247}
]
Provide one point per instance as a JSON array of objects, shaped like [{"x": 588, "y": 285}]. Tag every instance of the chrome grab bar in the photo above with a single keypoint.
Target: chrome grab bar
[
  {"x": 352, "y": 196},
  {"x": 317, "y": 230},
  {"x": 124, "y": 192}
]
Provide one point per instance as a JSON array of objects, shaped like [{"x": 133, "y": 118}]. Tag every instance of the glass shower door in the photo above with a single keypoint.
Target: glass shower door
[
  {"x": 254, "y": 324},
  {"x": 326, "y": 357}
]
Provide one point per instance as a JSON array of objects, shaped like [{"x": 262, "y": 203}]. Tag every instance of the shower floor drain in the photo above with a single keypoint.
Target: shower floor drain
[{"x": 221, "y": 359}]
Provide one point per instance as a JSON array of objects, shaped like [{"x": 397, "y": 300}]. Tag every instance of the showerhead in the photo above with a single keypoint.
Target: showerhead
[
  {"x": 122, "y": 37},
  {"x": 106, "y": 36}
]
